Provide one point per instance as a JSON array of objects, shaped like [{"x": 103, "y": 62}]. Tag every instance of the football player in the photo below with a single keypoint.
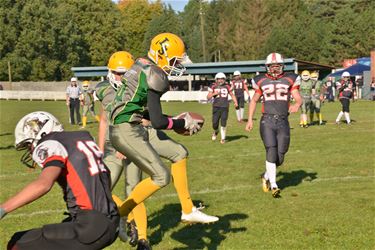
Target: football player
[
  {"x": 87, "y": 103},
  {"x": 239, "y": 86},
  {"x": 74, "y": 161},
  {"x": 345, "y": 93},
  {"x": 276, "y": 87},
  {"x": 139, "y": 89},
  {"x": 317, "y": 98},
  {"x": 220, "y": 91},
  {"x": 306, "y": 87}
]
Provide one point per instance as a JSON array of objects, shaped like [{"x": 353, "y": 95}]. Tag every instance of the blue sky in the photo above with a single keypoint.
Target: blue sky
[{"x": 177, "y": 5}]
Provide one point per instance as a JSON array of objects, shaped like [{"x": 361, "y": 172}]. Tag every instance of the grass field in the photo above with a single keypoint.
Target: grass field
[{"x": 327, "y": 181}]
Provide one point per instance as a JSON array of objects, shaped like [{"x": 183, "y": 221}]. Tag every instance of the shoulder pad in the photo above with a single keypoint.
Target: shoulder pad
[
  {"x": 157, "y": 79},
  {"x": 49, "y": 150}
]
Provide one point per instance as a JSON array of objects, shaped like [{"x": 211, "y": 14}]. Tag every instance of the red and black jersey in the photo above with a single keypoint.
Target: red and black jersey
[
  {"x": 345, "y": 89},
  {"x": 276, "y": 92},
  {"x": 84, "y": 178},
  {"x": 220, "y": 100},
  {"x": 239, "y": 86}
]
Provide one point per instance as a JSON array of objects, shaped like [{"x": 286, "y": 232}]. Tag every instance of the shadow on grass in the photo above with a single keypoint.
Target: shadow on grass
[
  {"x": 7, "y": 147},
  {"x": 6, "y": 133},
  {"x": 197, "y": 236},
  {"x": 294, "y": 178},
  {"x": 235, "y": 137}
]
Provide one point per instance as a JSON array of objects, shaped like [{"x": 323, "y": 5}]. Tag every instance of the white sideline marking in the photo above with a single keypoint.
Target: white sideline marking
[{"x": 204, "y": 191}]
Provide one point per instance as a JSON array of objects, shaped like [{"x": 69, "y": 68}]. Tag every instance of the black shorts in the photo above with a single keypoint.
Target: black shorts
[
  {"x": 345, "y": 104},
  {"x": 89, "y": 230},
  {"x": 241, "y": 101},
  {"x": 275, "y": 132},
  {"x": 219, "y": 114}
]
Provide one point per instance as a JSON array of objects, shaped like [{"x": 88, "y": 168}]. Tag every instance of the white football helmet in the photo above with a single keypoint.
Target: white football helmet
[
  {"x": 31, "y": 128},
  {"x": 236, "y": 73},
  {"x": 275, "y": 64},
  {"x": 345, "y": 74},
  {"x": 220, "y": 75}
]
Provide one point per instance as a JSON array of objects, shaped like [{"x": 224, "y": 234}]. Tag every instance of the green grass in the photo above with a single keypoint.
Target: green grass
[{"x": 327, "y": 185}]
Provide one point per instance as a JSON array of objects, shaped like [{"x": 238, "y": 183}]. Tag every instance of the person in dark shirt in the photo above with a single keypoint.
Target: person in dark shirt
[
  {"x": 74, "y": 161},
  {"x": 345, "y": 90},
  {"x": 276, "y": 87},
  {"x": 219, "y": 92}
]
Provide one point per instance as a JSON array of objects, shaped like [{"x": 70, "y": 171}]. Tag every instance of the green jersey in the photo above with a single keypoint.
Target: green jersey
[
  {"x": 319, "y": 89},
  {"x": 105, "y": 94},
  {"x": 88, "y": 98},
  {"x": 131, "y": 98},
  {"x": 305, "y": 88}
]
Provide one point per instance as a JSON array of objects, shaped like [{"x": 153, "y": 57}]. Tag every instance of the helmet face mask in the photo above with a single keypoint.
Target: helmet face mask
[
  {"x": 30, "y": 129},
  {"x": 118, "y": 64},
  {"x": 275, "y": 64},
  {"x": 305, "y": 75}
]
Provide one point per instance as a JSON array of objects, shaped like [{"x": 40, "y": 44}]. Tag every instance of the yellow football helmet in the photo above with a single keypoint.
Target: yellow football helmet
[
  {"x": 167, "y": 50},
  {"x": 305, "y": 75},
  {"x": 85, "y": 85},
  {"x": 119, "y": 63},
  {"x": 314, "y": 76}
]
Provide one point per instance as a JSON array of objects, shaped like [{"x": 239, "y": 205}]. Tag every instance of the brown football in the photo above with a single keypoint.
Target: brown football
[{"x": 195, "y": 116}]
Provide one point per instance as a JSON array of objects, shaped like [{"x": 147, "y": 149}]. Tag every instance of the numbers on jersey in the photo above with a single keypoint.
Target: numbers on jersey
[
  {"x": 273, "y": 92},
  {"x": 93, "y": 155},
  {"x": 238, "y": 85},
  {"x": 223, "y": 92}
]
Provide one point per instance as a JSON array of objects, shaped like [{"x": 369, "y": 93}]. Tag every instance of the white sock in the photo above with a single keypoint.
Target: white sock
[
  {"x": 271, "y": 171},
  {"x": 347, "y": 117},
  {"x": 265, "y": 176},
  {"x": 223, "y": 131},
  {"x": 339, "y": 116},
  {"x": 238, "y": 114},
  {"x": 241, "y": 113}
]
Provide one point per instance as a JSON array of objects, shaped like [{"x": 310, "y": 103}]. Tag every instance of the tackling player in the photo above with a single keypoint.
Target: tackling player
[
  {"x": 220, "y": 91},
  {"x": 276, "y": 87},
  {"x": 239, "y": 86},
  {"x": 74, "y": 161}
]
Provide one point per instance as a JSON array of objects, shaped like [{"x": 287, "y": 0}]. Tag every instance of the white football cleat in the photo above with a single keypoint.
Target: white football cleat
[{"x": 197, "y": 216}]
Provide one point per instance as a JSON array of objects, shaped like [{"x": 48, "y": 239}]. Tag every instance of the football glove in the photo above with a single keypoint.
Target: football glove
[{"x": 191, "y": 124}]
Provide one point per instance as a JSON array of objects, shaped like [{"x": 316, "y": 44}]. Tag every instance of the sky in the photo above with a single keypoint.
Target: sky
[{"x": 177, "y": 5}]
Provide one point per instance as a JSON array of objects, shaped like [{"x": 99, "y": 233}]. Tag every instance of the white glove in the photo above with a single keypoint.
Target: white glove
[{"x": 191, "y": 124}]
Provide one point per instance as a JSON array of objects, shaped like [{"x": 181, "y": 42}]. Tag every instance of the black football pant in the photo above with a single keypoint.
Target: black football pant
[
  {"x": 219, "y": 114},
  {"x": 74, "y": 108},
  {"x": 89, "y": 230},
  {"x": 275, "y": 133},
  {"x": 345, "y": 104}
]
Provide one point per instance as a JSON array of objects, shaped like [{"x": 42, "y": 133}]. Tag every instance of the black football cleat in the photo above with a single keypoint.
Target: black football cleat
[
  {"x": 132, "y": 233},
  {"x": 276, "y": 193},
  {"x": 143, "y": 245}
]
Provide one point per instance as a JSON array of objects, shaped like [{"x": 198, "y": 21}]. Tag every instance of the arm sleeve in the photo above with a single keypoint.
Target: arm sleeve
[{"x": 158, "y": 120}]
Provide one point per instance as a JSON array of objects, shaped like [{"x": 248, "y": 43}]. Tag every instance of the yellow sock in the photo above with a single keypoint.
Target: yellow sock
[
  {"x": 130, "y": 216},
  {"x": 140, "y": 218},
  {"x": 141, "y": 192},
  {"x": 178, "y": 171},
  {"x": 117, "y": 200},
  {"x": 84, "y": 120},
  {"x": 97, "y": 118},
  {"x": 320, "y": 117}
]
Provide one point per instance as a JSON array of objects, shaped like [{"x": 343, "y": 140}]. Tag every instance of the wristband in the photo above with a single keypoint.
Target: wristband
[
  {"x": 170, "y": 123},
  {"x": 2, "y": 213}
]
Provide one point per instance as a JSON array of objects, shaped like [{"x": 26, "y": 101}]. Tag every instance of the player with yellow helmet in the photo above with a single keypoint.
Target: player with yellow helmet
[
  {"x": 87, "y": 103},
  {"x": 306, "y": 87},
  {"x": 317, "y": 97}
]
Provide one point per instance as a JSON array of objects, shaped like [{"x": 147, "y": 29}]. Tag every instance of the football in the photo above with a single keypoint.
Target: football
[{"x": 195, "y": 116}]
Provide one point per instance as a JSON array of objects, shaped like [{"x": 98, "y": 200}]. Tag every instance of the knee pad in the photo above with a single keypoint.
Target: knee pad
[
  {"x": 271, "y": 154},
  {"x": 162, "y": 179},
  {"x": 181, "y": 153}
]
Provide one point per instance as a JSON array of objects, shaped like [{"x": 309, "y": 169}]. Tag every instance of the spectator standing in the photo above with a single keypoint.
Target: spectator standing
[
  {"x": 329, "y": 89},
  {"x": 372, "y": 89},
  {"x": 359, "y": 84},
  {"x": 72, "y": 100}
]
